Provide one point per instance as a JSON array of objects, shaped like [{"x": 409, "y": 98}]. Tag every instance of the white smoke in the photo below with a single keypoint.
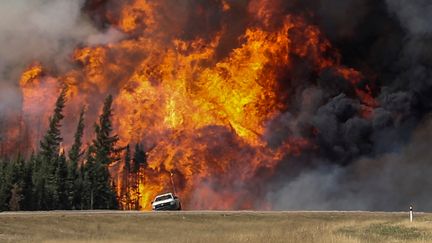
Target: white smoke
[{"x": 41, "y": 30}]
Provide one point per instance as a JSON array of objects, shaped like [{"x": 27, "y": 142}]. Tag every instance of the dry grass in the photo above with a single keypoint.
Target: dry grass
[{"x": 214, "y": 227}]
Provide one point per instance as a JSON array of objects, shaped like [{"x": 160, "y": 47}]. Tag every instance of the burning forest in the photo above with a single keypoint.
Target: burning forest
[{"x": 232, "y": 104}]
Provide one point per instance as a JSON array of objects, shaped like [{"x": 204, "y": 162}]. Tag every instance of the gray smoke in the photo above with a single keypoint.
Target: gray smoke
[
  {"x": 389, "y": 182},
  {"x": 39, "y": 30},
  {"x": 376, "y": 163},
  {"x": 42, "y": 30},
  {"x": 414, "y": 15}
]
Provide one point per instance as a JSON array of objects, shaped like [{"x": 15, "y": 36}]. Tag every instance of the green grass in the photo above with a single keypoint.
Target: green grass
[{"x": 214, "y": 227}]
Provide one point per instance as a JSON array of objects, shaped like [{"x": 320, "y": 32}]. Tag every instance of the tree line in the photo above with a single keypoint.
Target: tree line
[{"x": 53, "y": 179}]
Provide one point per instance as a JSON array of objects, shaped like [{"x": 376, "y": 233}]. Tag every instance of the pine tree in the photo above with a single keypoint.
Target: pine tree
[
  {"x": 74, "y": 178},
  {"x": 48, "y": 157},
  {"x": 50, "y": 144},
  {"x": 40, "y": 191},
  {"x": 76, "y": 153},
  {"x": 11, "y": 174},
  {"x": 4, "y": 188},
  {"x": 106, "y": 153},
  {"x": 60, "y": 193},
  {"x": 27, "y": 186},
  {"x": 76, "y": 202},
  {"x": 105, "y": 143},
  {"x": 99, "y": 190},
  {"x": 88, "y": 172}
]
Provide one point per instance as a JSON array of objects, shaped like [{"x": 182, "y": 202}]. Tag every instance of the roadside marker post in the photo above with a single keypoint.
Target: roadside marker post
[{"x": 411, "y": 214}]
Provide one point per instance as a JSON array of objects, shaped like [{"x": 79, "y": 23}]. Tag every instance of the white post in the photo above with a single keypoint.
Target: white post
[{"x": 411, "y": 213}]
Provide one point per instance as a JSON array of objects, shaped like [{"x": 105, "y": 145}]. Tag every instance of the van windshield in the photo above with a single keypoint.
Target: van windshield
[{"x": 161, "y": 198}]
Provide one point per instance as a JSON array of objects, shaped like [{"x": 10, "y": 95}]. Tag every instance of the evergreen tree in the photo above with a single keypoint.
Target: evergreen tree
[
  {"x": 45, "y": 179},
  {"x": 12, "y": 172},
  {"x": 105, "y": 195},
  {"x": 76, "y": 202},
  {"x": 99, "y": 191},
  {"x": 4, "y": 188},
  {"x": 50, "y": 144},
  {"x": 105, "y": 143},
  {"x": 74, "y": 181},
  {"x": 87, "y": 198},
  {"x": 27, "y": 186},
  {"x": 40, "y": 192},
  {"x": 76, "y": 152},
  {"x": 60, "y": 193}
]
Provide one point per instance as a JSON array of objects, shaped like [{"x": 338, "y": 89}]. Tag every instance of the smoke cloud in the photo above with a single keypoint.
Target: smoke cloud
[
  {"x": 413, "y": 15},
  {"x": 364, "y": 164},
  {"x": 388, "y": 182},
  {"x": 42, "y": 30}
]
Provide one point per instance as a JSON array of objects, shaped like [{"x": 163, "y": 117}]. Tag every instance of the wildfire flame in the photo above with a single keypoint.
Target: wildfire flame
[{"x": 202, "y": 117}]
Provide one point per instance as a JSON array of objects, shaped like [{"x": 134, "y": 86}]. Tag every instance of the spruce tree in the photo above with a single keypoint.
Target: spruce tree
[
  {"x": 60, "y": 193},
  {"x": 74, "y": 181},
  {"x": 100, "y": 193},
  {"x": 76, "y": 152},
  {"x": 11, "y": 175},
  {"x": 27, "y": 186},
  {"x": 50, "y": 144},
  {"x": 4, "y": 188},
  {"x": 98, "y": 190},
  {"x": 40, "y": 191},
  {"x": 105, "y": 143},
  {"x": 48, "y": 157},
  {"x": 88, "y": 172},
  {"x": 76, "y": 202}
]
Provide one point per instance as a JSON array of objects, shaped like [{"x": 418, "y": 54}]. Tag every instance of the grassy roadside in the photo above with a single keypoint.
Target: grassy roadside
[{"x": 214, "y": 227}]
